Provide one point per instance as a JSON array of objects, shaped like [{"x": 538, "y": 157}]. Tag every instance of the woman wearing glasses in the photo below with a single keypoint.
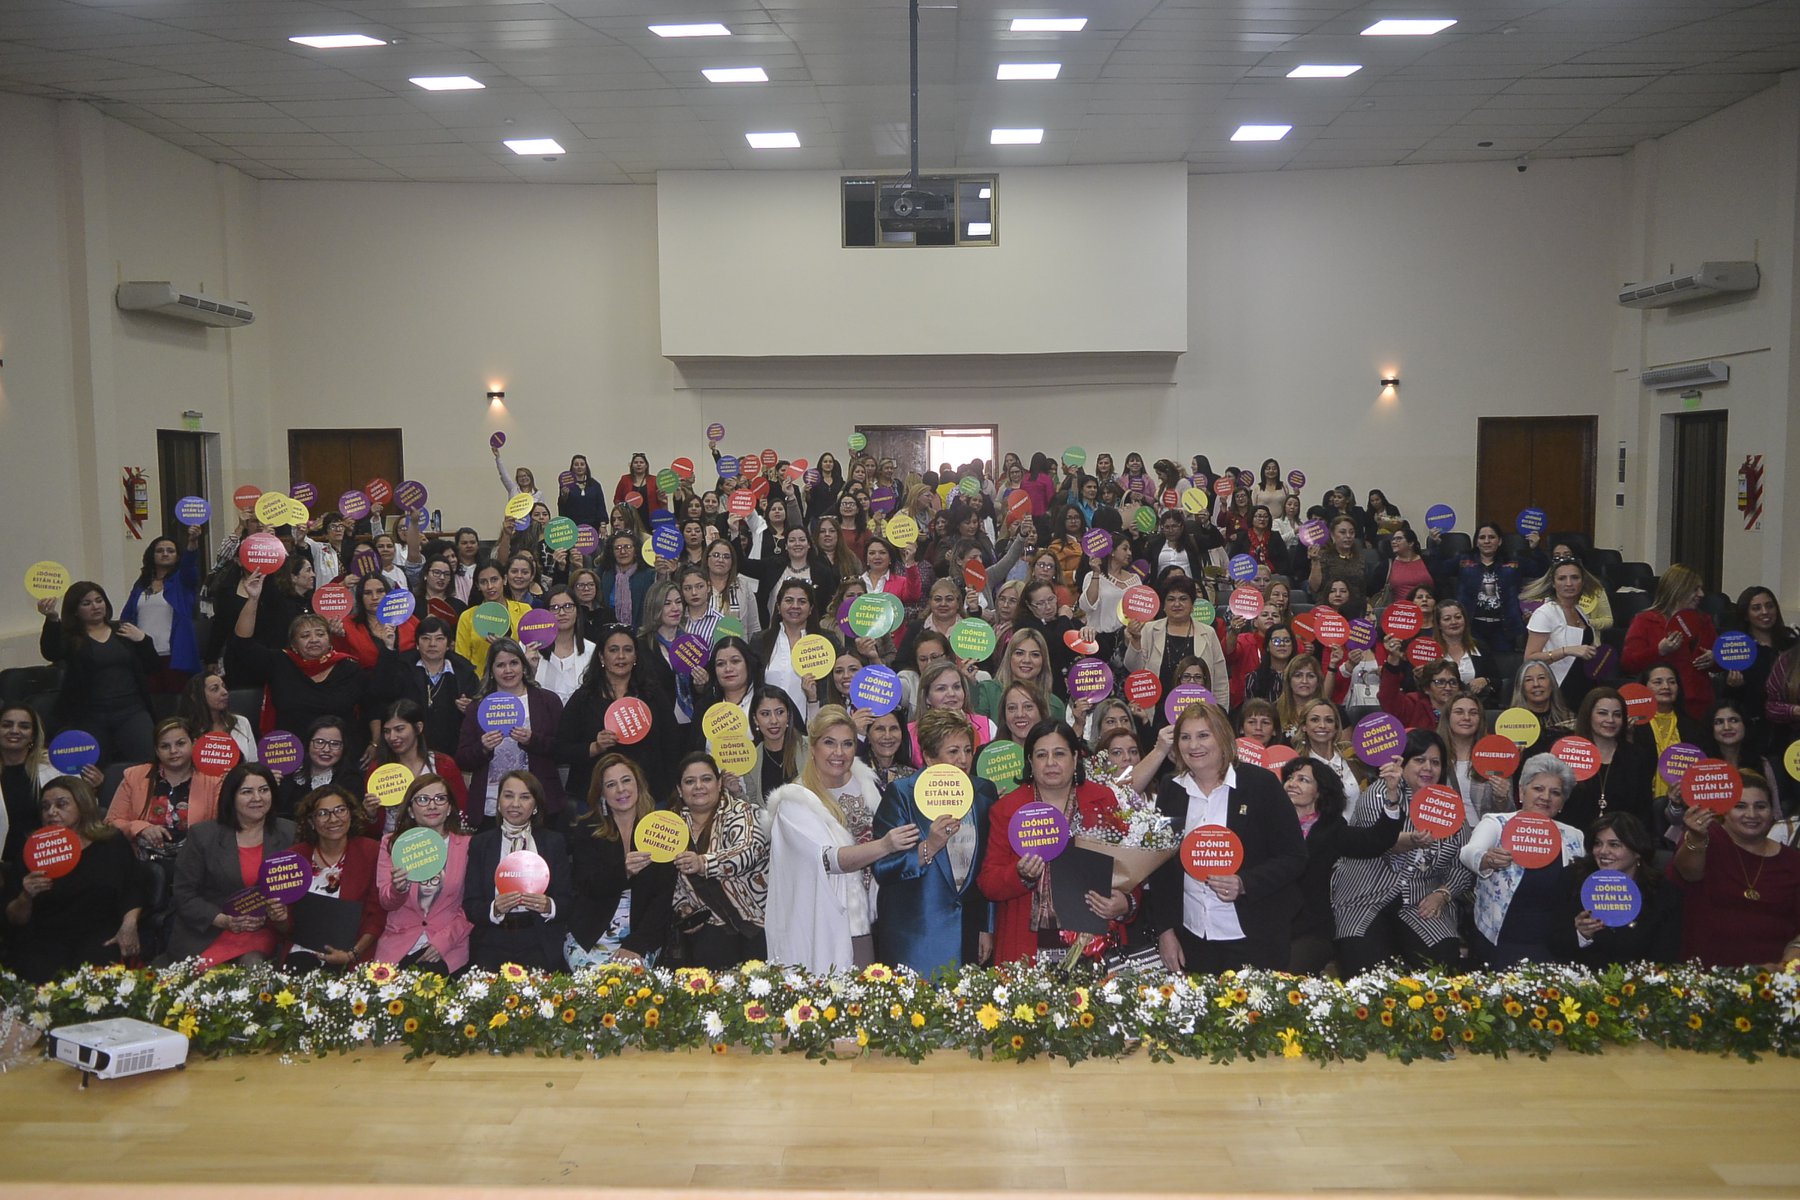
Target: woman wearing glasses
[
  {"x": 1439, "y": 678},
  {"x": 323, "y": 763},
  {"x": 427, "y": 928},
  {"x": 327, "y": 827}
]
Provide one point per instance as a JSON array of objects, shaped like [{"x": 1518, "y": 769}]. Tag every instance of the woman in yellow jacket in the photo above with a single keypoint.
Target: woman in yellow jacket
[{"x": 491, "y": 584}]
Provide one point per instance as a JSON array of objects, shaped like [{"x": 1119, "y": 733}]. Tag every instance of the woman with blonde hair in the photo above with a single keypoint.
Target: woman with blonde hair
[
  {"x": 1302, "y": 682},
  {"x": 1672, "y": 633},
  {"x": 1026, "y": 659},
  {"x": 1593, "y": 602},
  {"x": 1322, "y": 737},
  {"x": 821, "y": 903}
]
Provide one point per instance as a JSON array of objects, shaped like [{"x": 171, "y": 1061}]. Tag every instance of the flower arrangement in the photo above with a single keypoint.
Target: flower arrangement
[
  {"x": 1016, "y": 1013},
  {"x": 1134, "y": 823}
]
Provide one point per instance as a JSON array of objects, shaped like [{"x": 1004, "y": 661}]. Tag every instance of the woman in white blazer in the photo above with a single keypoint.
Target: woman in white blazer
[
  {"x": 1147, "y": 645},
  {"x": 821, "y": 907},
  {"x": 1516, "y": 908}
]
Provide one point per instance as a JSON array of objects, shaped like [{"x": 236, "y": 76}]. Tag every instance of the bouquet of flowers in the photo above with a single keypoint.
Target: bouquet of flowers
[{"x": 1134, "y": 833}]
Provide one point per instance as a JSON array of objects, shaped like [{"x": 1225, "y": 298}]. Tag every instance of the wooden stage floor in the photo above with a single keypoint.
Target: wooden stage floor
[{"x": 1637, "y": 1122}]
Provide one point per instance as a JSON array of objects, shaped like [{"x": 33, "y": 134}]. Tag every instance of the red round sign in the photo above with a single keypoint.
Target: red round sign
[
  {"x": 52, "y": 851},
  {"x": 1245, "y": 603},
  {"x": 215, "y": 754},
  {"x": 379, "y": 491},
  {"x": 1171, "y": 500},
  {"x": 522, "y": 871},
  {"x": 634, "y": 499},
  {"x": 1495, "y": 754},
  {"x": 1225, "y": 486},
  {"x": 1423, "y": 650},
  {"x": 1582, "y": 755},
  {"x": 1072, "y": 640},
  {"x": 1140, "y": 602},
  {"x": 1018, "y": 506},
  {"x": 1142, "y": 689},
  {"x": 1251, "y": 751},
  {"x": 741, "y": 504},
  {"x": 1533, "y": 841},
  {"x": 628, "y": 719},
  {"x": 333, "y": 601},
  {"x": 1330, "y": 626},
  {"x": 1713, "y": 784},
  {"x": 246, "y": 497},
  {"x": 768, "y": 458},
  {"x": 1276, "y": 757},
  {"x": 1640, "y": 702},
  {"x": 262, "y": 553},
  {"x": 1402, "y": 619},
  {"x": 1209, "y": 850},
  {"x": 1302, "y": 625},
  {"x": 1437, "y": 810},
  {"x": 759, "y": 487},
  {"x": 684, "y": 467},
  {"x": 974, "y": 574}
]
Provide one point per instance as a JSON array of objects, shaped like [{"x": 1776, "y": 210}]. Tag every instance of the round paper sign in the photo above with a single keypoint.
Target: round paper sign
[
  {"x": 866, "y": 615},
  {"x": 245, "y": 497},
  {"x": 715, "y": 433},
  {"x": 741, "y": 503},
  {"x": 1402, "y": 619},
  {"x": 1038, "y": 828},
  {"x": 1144, "y": 518},
  {"x": 1640, "y": 702},
  {"x": 1734, "y": 651},
  {"x": 628, "y": 719},
  {"x": 538, "y": 628},
  {"x": 735, "y": 755},
  {"x": 1532, "y": 520},
  {"x": 1495, "y": 754},
  {"x": 333, "y": 601},
  {"x": 943, "y": 791},
  {"x": 688, "y": 652},
  {"x": 193, "y": 510},
  {"x": 52, "y": 851},
  {"x": 1251, "y": 751},
  {"x": 422, "y": 853},
  {"x": 1533, "y": 841},
  {"x": 1791, "y": 760},
  {"x": 518, "y": 506},
  {"x": 1194, "y": 501},
  {"x": 47, "y": 580},
  {"x": 262, "y": 553},
  {"x": 1437, "y": 810},
  {"x": 1075, "y": 457},
  {"x": 1090, "y": 679},
  {"x": 973, "y": 639},
  {"x": 396, "y": 607},
  {"x": 858, "y": 443},
  {"x": 1210, "y": 850},
  {"x": 1519, "y": 724},
  {"x": 522, "y": 871},
  {"x": 813, "y": 656},
  {"x": 355, "y": 504},
  {"x": 500, "y": 712},
  {"x": 280, "y": 751},
  {"x": 561, "y": 533},
  {"x": 1302, "y": 625},
  {"x": 1611, "y": 898},
  {"x": 902, "y": 530},
  {"x": 1096, "y": 543},
  {"x": 1422, "y": 651},
  {"x": 1074, "y": 641},
  {"x": 492, "y": 619},
  {"x": 1276, "y": 757},
  {"x": 1674, "y": 762},
  {"x": 1330, "y": 626},
  {"x": 272, "y": 508},
  {"x": 1582, "y": 755},
  {"x": 724, "y": 721},
  {"x": 388, "y": 783},
  {"x": 1379, "y": 739},
  {"x": 1182, "y": 697},
  {"x": 875, "y": 688},
  {"x": 1204, "y": 612},
  {"x": 1363, "y": 634},
  {"x": 1142, "y": 689},
  {"x": 667, "y": 482},
  {"x": 1246, "y": 603},
  {"x": 768, "y": 458},
  {"x": 1296, "y": 480},
  {"x": 215, "y": 754},
  {"x": 497, "y": 440},
  {"x": 410, "y": 495},
  {"x": 1602, "y": 664},
  {"x": 305, "y": 493},
  {"x": 1171, "y": 499},
  {"x": 1440, "y": 518},
  {"x": 284, "y": 878},
  {"x": 662, "y": 835},
  {"x": 1312, "y": 533},
  {"x": 1712, "y": 784},
  {"x": 1140, "y": 602},
  {"x": 1001, "y": 763},
  {"x": 1241, "y": 567},
  {"x": 883, "y": 500},
  {"x": 1226, "y": 485},
  {"x": 969, "y": 485},
  {"x": 379, "y": 491},
  {"x": 365, "y": 561},
  {"x": 974, "y": 574},
  {"x": 587, "y": 539},
  {"x": 73, "y": 749}
]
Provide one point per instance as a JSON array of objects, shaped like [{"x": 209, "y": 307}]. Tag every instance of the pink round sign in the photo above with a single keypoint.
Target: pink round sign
[{"x": 522, "y": 871}]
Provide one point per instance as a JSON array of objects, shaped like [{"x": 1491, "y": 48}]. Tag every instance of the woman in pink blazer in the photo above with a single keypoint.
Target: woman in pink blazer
[{"x": 426, "y": 927}]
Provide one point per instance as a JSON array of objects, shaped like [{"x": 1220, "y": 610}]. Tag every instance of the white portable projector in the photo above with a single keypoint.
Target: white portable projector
[{"x": 117, "y": 1048}]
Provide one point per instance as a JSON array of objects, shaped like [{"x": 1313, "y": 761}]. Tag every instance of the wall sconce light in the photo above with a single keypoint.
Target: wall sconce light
[
  {"x": 496, "y": 397},
  {"x": 1390, "y": 381}
]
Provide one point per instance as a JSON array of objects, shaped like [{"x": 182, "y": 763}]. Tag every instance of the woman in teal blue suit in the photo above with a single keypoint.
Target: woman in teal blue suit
[{"x": 931, "y": 913}]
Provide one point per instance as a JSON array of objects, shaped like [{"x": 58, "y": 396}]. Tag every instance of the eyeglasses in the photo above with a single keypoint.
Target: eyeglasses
[
  {"x": 432, "y": 800},
  {"x": 562, "y": 608},
  {"x": 331, "y": 814},
  {"x": 1445, "y": 682},
  {"x": 327, "y": 743}
]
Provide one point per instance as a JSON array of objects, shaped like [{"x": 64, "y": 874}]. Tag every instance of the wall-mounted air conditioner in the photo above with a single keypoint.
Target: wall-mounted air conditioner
[
  {"x": 1712, "y": 279},
  {"x": 166, "y": 300},
  {"x": 1672, "y": 379}
]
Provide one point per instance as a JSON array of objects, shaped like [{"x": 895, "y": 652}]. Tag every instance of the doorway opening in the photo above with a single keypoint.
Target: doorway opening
[
  {"x": 917, "y": 449},
  {"x": 187, "y": 464},
  {"x": 1696, "y": 532}
]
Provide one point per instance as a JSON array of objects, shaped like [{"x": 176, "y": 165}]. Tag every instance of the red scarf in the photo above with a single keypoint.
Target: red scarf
[{"x": 313, "y": 668}]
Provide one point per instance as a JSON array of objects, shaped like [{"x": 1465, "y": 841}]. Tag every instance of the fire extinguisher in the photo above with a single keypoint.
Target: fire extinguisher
[{"x": 137, "y": 501}]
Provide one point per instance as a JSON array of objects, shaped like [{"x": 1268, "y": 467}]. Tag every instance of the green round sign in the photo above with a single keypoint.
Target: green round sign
[
  {"x": 491, "y": 619},
  {"x": 561, "y": 533},
  {"x": 668, "y": 482},
  {"x": 1145, "y": 519},
  {"x": 1075, "y": 456},
  {"x": 1001, "y": 763},
  {"x": 868, "y": 613},
  {"x": 858, "y": 443},
  {"x": 1204, "y": 612},
  {"x": 970, "y": 485},
  {"x": 973, "y": 639},
  {"x": 421, "y": 853},
  {"x": 729, "y": 626}
]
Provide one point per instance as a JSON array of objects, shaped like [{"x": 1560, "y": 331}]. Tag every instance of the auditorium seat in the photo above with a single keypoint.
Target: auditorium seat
[{"x": 1630, "y": 575}]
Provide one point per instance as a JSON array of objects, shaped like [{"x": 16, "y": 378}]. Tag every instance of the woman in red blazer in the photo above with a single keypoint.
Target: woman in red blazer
[
  {"x": 426, "y": 926},
  {"x": 327, "y": 829},
  {"x": 1672, "y": 633},
  {"x": 1020, "y": 887}
]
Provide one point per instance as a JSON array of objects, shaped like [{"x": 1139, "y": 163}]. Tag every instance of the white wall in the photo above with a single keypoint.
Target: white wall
[{"x": 1088, "y": 260}]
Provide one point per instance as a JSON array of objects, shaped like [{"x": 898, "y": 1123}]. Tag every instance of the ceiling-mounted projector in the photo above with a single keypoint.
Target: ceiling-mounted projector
[{"x": 909, "y": 208}]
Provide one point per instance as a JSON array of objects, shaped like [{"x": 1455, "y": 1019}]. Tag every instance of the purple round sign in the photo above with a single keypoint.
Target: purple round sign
[
  {"x": 1241, "y": 567},
  {"x": 587, "y": 539},
  {"x": 73, "y": 749},
  {"x": 1096, "y": 543},
  {"x": 538, "y": 628},
  {"x": 305, "y": 493},
  {"x": 1612, "y": 898},
  {"x": 876, "y": 688},
  {"x": 687, "y": 652},
  {"x": 1603, "y": 664},
  {"x": 1380, "y": 739},
  {"x": 1363, "y": 634},
  {"x": 500, "y": 712},
  {"x": 1440, "y": 518},
  {"x": 1312, "y": 533},
  {"x": 354, "y": 504},
  {"x": 1734, "y": 651},
  {"x": 193, "y": 510},
  {"x": 1038, "y": 828},
  {"x": 1673, "y": 765},
  {"x": 280, "y": 751},
  {"x": 1090, "y": 679},
  {"x": 285, "y": 877},
  {"x": 395, "y": 607},
  {"x": 666, "y": 541},
  {"x": 728, "y": 466},
  {"x": 1180, "y": 697},
  {"x": 410, "y": 495},
  {"x": 882, "y": 500}
]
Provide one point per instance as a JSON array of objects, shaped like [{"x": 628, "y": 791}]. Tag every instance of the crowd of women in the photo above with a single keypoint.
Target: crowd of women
[{"x": 817, "y": 851}]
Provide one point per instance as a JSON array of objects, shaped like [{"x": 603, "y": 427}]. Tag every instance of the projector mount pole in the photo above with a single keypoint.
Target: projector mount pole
[{"x": 912, "y": 178}]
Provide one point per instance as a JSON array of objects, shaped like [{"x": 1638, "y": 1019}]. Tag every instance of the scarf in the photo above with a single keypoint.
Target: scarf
[
  {"x": 313, "y": 668},
  {"x": 516, "y": 837}
]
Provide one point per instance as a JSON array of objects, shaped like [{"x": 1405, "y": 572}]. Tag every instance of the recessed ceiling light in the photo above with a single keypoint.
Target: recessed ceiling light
[
  {"x": 1317, "y": 71},
  {"x": 1028, "y": 71},
  {"x": 709, "y": 29},
  {"x": 736, "y": 74},
  {"x": 447, "y": 83},
  {"x": 337, "y": 41},
  {"x": 773, "y": 141},
  {"x": 1049, "y": 24},
  {"x": 980, "y": 229},
  {"x": 535, "y": 146},
  {"x": 1015, "y": 137},
  {"x": 1260, "y": 133},
  {"x": 1423, "y": 28},
  {"x": 986, "y": 193}
]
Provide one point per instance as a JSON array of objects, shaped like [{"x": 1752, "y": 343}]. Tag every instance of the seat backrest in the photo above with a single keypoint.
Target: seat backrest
[
  {"x": 16, "y": 683},
  {"x": 246, "y": 703},
  {"x": 1455, "y": 544},
  {"x": 1602, "y": 557}
]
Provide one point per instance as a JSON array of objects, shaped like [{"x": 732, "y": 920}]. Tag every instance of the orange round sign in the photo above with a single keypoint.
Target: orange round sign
[
  {"x": 1640, "y": 702},
  {"x": 1712, "y": 784},
  {"x": 628, "y": 719},
  {"x": 1140, "y": 603},
  {"x": 1437, "y": 810},
  {"x": 1209, "y": 850},
  {"x": 1582, "y": 755},
  {"x": 215, "y": 754},
  {"x": 1330, "y": 626},
  {"x": 1533, "y": 841},
  {"x": 974, "y": 574},
  {"x": 1495, "y": 754},
  {"x": 52, "y": 851}
]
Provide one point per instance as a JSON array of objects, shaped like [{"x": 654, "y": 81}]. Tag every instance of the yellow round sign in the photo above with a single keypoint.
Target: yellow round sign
[
  {"x": 735, "y": 755},
  {"x": 724, "y": 721},
  {"x": 1518, "y": 725},
  {"x": 1791, "y": 760},
  {"x": 519, "y": 505},
  {"x": 662, "y": 835},
  {"x": 813, "y": 656},
  {"x": 47, "y": 580},
  {"x": 388, "y": 784},
  {"x": 943, "y": 791},
  {"x": 296, "y": 513},
  {"x": 944, "y": 490},
  {"x": 649, "y": 553},
  {"x": 902, "y": 530},
  {"x": 272, "y": 508},
  {"x": 1194, "y": 500}
]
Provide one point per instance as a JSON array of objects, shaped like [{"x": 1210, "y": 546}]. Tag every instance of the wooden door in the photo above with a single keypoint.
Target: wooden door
[
  {"x": 180, "y": 472},
  {"x": 1537, "y": 462},
  {"x": 336, "y": 460},
  {"x": 905, "y": 444}
]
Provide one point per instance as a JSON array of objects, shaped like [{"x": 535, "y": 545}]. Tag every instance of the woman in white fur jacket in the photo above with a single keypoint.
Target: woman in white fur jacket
[{"x": 821, "y": 907}]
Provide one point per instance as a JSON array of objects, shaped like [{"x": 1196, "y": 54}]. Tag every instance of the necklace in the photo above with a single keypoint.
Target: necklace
[
  {"x": 333, "y": 870},
  {"x": 1750, "y": 892}
]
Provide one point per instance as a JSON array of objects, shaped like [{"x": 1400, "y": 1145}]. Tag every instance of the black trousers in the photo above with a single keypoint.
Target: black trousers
[
  {"x": 1388, "y": 937},
  {"x": 1206, "y": 957},
  {"x": 720, "y": 948}
]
